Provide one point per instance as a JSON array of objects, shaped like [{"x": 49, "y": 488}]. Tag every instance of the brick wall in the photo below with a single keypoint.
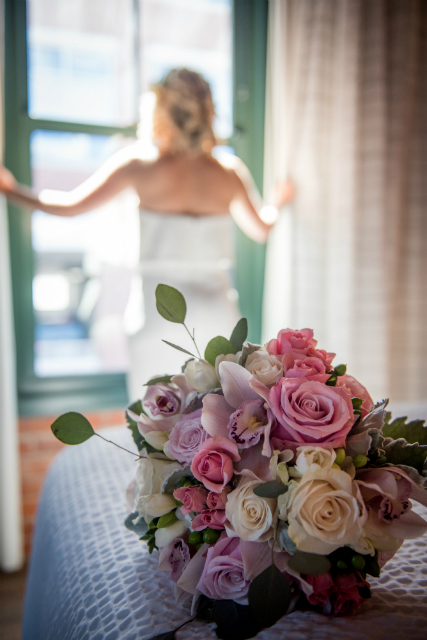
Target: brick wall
[{"x": 38, "y": 447}]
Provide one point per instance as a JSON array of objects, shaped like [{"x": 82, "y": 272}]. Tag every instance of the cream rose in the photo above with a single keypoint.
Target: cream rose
[
  {"x": 152, "y": 473},
  {"x": 310, "y": 459},
  {"x": 325, "y": 511},
  {"x": 249, "y": 516},
  {"x": 201, "y": 375},
  {"x": 264, "y": 367}
]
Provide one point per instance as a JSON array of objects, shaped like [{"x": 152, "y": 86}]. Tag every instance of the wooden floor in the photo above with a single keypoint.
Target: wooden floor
[{"x": 12, "y": 588}]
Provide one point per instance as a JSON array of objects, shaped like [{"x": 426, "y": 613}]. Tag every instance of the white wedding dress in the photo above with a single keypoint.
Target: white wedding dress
[{"x": 195, "y": 255}]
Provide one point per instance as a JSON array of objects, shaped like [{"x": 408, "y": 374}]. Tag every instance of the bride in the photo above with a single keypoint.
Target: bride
[{"x": 186, "y": 198}]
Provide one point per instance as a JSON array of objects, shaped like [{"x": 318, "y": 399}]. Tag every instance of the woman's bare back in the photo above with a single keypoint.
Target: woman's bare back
[{"x": 184, "y": 183}]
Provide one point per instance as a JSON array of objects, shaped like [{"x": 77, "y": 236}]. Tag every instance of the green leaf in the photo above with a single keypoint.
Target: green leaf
[
  {"x": 159, "y": 380},
  {"x": 239, "y": 335},
  {"x": 332, "y": 381},
  {"x": 175, "y": 346},
  {"x": 170, "y": 304},
  {"x": 340, "y": 370},
  {"x": 235, "y": 621},
  {"x": 137, "y": 408},
  {"x": 216, "y": 347},
  {"x": 272, "y": 489},
  {"x": 414, "y": 431},
  {"x": 269, "y": 596},
  {"x": 309, "y": 563},
  {"x": 400, "y": 452},
  {"x": 72, "y": 428}
]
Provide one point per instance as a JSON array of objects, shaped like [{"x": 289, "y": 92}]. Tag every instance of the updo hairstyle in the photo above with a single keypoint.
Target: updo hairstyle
[{"x": 184, "y": 111}]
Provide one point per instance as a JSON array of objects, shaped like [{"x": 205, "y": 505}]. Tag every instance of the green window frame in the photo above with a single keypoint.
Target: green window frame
[{"x": 45, "y": 396}]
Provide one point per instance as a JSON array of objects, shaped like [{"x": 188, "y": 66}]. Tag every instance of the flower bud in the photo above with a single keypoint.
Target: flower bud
[
  {"x": 360, "y": 461},
  {"x": 156, "y": 439}
]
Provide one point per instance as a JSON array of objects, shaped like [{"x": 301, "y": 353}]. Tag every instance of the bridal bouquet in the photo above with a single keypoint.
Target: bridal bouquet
[{"x": 267, "y": 479}]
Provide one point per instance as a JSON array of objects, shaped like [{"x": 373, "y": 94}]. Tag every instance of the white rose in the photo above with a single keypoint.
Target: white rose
[
  {"x": 249, "y": 516},
  {"x": 155, "y": 505},
  {"x": 151, "y": 474},
  {"x": 201, "y": 375},
  {"x": 325, "y": 511},
  {"x": 312, "y": 458},
  {"x": 167, "y": 534},
  {"x": 230, "y": 357},
  {"x": 265, "y": 367},
  {"x": 156, "y": 439}
]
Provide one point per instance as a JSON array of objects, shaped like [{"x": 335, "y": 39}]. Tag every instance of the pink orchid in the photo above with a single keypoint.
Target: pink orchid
[{"x": 240, "y": 414}]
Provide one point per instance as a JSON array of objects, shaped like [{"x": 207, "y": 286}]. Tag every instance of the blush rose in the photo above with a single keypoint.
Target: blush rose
[
  {"x": 187, "y": 436},
  {"x": 213, "y": 463},
  {"x": 223, "y": 576}
]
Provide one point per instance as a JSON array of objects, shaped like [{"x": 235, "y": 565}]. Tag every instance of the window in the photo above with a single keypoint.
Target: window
[{"x": 74, "y": 76}]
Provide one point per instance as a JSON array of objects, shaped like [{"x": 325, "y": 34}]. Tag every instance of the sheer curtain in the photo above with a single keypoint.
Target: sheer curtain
[
  {"x": 11, "y": 556},
  {"x": 346, "y": 117}
]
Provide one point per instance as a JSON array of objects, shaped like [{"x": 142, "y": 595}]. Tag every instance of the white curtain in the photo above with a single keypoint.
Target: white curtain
[
  {"x": 346, "y": 117},
  {"x": 11, "y": 550}
]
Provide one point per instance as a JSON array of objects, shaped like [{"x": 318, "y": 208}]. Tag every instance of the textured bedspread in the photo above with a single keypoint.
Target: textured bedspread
[{"x": 91, "y": 578}]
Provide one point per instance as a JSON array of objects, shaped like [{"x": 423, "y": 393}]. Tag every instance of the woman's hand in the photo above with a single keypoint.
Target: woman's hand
[
  {"x": 284, "y": 193},
  {"x": 7, "y": 181}
]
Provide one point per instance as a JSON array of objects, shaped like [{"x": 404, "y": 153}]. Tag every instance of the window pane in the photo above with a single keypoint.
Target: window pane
[
  {"x": 190, "y": 33},
  {"x": 84, "y": 266},
  {"x": 81, "y": 61}
]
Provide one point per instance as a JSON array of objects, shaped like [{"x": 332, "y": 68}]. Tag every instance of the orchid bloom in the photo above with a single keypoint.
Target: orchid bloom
[{"x": 241, "y": 414}]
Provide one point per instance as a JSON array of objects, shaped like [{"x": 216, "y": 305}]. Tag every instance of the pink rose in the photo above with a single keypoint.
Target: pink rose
[
  {"x": 214, "y": 519},
  {"x": 323, "y": 588},
  {"x": 174, "y": 557},
  {"x": 223, "y": 576},
  {"x": 347, "y": 597},
  {"x": 213, "y": 463},
  {"x": 187, "y": 436},
  {"x": 322, "y": 355},
  {"x": 309, "y": 368},
  {"x": 193, "y": 498},
  {"x": 310, "y": 413},
  {"x": 290, "y": 341},
  {"x": 217, "y": 500},
  {"x": 356, "y": 390}
]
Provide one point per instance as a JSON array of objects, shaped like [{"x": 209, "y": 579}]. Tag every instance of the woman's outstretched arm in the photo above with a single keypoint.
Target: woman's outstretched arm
[{"x": 114, "y": 176}]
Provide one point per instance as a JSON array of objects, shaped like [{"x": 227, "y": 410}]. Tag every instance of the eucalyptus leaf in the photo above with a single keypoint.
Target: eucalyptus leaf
[
  {"x": 175, "y": 346},
  {"x": 136, "y": 523},
  {"x": 170, "y": 303},
  {"x": 309, "y": 563},
  {"x": 216, "y": 347},
  {"x": 239, "y": 335},
  {"x": 414, "y": 431},
  {"x": 271, "y": 489},
  {"x": 72, "y": 428},
  {"x": 269, "y": 596},
  {"x": 400, "y": 452},
  {"x": 235, "y": 621},
  {"x": 159, "y": 380}
]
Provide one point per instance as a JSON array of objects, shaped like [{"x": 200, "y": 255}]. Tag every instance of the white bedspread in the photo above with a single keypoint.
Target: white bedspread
[{"x": 91, "y": 578}]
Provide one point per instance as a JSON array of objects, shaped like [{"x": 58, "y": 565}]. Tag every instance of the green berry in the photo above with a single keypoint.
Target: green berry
[
  {"x": 195, "y": 537},
  {"x": 199, "y": 546},
  {"x": 358, "y": 562},
  {"x": 341, "y": 565},
  {"x": 187, "y": 483},
  {"x": 167, "y": 520},
  {"x": 373, "y": 568},
  {"x": 381, "y": 460},
  {"x": 340, "y": 456},
  {"x": 360, "y": 461},
  {"x": 210, "y": 536}
]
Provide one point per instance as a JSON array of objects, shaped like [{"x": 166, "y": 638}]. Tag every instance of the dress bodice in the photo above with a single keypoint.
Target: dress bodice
[{"x": 181, "y": 241}]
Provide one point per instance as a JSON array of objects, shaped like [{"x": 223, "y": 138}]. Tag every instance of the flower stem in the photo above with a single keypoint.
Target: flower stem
[
  {"x": 117, "y": 445},
  {"x": 193, "y": 339}
]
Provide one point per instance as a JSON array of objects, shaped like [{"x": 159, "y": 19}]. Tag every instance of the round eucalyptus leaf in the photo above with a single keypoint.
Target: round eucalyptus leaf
[
  {"x": 170, "y": 303},
  {"x": 72, "y": 428},
  {"x": 240, "y": 333},
  {"x": 216, "y": 347},
  {"x": 269, "y": 596},
  {"x": 272, "y": 489},
  {"x": 309, "y": 563}
]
